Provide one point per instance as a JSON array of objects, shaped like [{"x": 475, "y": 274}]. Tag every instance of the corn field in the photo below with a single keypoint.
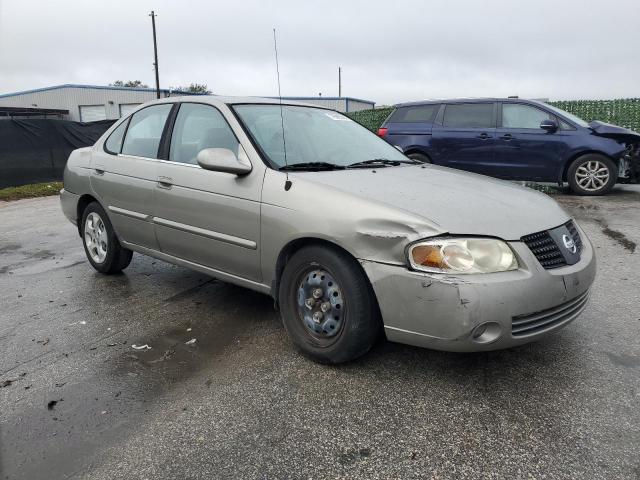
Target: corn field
[{"x": 624, "y": 112}]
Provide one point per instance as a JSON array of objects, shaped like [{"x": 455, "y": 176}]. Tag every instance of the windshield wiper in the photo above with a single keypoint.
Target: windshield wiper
[
  {"x": 313, "y": 166},
  {"x": 381, "y": 162}
]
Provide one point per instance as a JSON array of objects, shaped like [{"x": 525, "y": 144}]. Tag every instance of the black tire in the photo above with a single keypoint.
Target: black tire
[
  {"x": 117, "y": 257},
  {"x": 421, "y": 157},
  {"x": 581, "y": 166},
  {"x": 360, "y": 323}
]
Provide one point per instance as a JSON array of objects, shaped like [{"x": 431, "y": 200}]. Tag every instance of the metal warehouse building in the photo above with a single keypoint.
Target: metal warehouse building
[
  {"x": 88, "y": 103},
  {"x": 341, "y": 104},
  {"x": 82, "y": 103}
]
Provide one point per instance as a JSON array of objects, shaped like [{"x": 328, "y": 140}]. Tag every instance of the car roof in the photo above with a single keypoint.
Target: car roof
[
  {"x": 218, "y": 100},
  {"x": 466, "y": 100}
]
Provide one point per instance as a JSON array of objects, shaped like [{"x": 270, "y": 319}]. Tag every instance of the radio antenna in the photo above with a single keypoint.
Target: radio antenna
[{"x": 287, "y": 184}]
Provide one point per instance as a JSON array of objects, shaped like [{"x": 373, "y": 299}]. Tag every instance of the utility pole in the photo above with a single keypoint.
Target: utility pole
[
  {"x": 155, "y": 52},
  {"x": 339, "y": 81}
]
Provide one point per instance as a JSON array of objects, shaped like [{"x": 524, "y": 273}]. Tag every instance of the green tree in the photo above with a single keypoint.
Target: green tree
[
  {"x": 200, "y": 88},
  {"x": 129, "y": 84}
]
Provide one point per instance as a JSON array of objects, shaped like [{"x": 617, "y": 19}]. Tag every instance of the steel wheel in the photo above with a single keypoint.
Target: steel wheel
[
  {"x": 96, "y": 238},
  {"x": 592, "y": 175},
  {"x": 321, "y": 304}
]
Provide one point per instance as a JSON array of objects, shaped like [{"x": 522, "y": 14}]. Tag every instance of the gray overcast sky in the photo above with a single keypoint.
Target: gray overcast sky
[{"x": 390, "y": 51}]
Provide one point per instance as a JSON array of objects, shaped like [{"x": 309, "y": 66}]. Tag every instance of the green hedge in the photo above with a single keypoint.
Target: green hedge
[{"x": 624, "y": 112}]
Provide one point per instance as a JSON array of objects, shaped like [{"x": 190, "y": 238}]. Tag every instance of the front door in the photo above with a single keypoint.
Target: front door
[
  {"x": 524, "y": 151},
  {"x": 209, "y": 218},
  {"x": 124, "y": 174},
  {"x": 465, "y": 138}
]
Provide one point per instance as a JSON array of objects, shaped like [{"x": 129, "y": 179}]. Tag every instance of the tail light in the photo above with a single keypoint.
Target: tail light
[{"x": 382, "y": 132}]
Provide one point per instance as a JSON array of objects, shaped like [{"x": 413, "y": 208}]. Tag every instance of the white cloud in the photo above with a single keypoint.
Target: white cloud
[{"x": 389, "y": 51}]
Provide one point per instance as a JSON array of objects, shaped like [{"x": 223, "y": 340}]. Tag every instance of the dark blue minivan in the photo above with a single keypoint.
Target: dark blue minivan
[{"x": 516, "y": 139}]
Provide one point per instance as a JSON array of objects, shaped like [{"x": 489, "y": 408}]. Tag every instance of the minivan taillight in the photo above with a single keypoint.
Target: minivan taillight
[{"x": 382, "y": 131}]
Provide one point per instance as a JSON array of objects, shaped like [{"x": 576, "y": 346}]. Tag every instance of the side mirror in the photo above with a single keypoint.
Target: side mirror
[
  {"x": 549, "y": 126},
  {"x": 222, "y": 160}
]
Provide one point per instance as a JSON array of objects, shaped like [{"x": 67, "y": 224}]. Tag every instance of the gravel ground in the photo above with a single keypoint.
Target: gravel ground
[{"x": 79, "y": 402}]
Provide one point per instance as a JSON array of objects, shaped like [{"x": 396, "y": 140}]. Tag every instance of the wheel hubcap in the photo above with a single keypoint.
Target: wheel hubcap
[
  {"x": 592, "y": 175},
  {"x": 320, "y": 303},
  {"x": 95, "y": 237}
]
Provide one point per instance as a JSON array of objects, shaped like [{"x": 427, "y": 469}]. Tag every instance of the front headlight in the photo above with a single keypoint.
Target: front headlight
[{"x": 462, "y": 255}]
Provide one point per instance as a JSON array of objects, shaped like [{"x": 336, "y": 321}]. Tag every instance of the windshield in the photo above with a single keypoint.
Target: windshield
[
  {"x": 312, "y": 135},
  {"x": 567, "y": 115}
]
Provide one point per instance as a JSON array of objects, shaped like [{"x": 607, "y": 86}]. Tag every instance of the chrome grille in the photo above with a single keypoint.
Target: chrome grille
[
  {"x": 545, "y": 248},
  {"x": 531, "y": 324}
]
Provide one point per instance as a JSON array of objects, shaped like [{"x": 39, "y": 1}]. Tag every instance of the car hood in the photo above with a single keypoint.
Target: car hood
[
  {"x": 613, "y": 131},
  {"x": 455, "y": 202}
]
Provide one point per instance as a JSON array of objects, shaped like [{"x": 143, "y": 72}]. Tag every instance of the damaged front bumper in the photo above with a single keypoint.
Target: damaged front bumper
[{"x": 480, "y": 312}]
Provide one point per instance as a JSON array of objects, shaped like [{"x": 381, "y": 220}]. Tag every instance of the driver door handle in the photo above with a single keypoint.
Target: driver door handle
[
  {"x": 483, "y": 136},
  {"x": 507, "y": 136},
  {"x": 165, "y": 182}
]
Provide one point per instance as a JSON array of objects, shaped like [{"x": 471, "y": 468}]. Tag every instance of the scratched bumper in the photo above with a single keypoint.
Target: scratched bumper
[
  {"x": 69, "y": 204},
  {"x": 441, "y": 312}
]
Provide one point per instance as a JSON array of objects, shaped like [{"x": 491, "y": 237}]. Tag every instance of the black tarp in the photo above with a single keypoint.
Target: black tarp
[{"x": 33, "y": 151}]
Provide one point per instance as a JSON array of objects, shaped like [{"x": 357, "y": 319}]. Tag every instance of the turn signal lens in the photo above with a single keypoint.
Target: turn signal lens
[{"x": 462, "y": 255}]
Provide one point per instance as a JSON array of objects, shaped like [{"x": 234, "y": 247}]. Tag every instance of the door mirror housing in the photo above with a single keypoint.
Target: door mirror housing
[
  {"x": 222, "y": 160},
  {"x": 549, "y": 125}
]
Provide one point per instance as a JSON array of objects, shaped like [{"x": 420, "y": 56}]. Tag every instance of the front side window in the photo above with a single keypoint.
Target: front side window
[
  {"x": 415, "y": 113},
  {"x": 145, "y": 130},
  {"x": 114, "y": 142},
  {"x": 312, "y": 135},
  {"x": 469, "y": 115},
  {"x": 518, "y": 115},
  {"x": 198, "y": 127}
]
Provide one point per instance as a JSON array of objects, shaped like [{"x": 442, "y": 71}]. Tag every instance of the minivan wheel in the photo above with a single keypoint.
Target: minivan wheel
[
  {"x": 327, "y": 305},
  {"x": 101, "y": 245},
  {"x": 592, "y": 174},
  {"x": 421, "y": 157}
]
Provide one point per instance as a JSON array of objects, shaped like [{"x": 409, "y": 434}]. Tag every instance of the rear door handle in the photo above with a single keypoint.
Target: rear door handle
[
  {"x": 507, "y": 136},
  {"x": 165, "y": 182},
  {"x": 99, "y": 170},
  {"x": 483, "y": 136}
]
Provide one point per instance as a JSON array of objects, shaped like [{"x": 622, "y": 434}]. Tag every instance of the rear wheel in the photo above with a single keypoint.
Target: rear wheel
[
  {"x": 592, "y": 174},
  {"x": 328, "y": 307},
  {"x": 101, "y": 245},
  {"x": 420, "y": 157}
]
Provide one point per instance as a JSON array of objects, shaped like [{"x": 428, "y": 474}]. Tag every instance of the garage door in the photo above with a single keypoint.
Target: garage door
[
  {"x": 127, "y": 108},
  {"x": 92, "y": 113}
]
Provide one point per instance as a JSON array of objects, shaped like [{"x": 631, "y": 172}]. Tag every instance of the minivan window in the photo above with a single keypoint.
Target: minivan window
[
  {"x": 198, "y": 127},
  {"x": 114, "y": 142},
  {"x": 469, "y": 115},
  {"x": 518, "y": 115},
  {"x": 416, "y": 113},
  {"x": 312, "y": 135},
  {"x": 145, "y": 130}
]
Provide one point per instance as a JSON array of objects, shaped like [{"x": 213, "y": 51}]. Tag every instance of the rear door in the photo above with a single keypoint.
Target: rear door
[
  {"x": 124, "y": 175},
  {"x": 524, "y": 151},
  {"x": 464, "y": 137},
  {"x": 209, "y": 218}
]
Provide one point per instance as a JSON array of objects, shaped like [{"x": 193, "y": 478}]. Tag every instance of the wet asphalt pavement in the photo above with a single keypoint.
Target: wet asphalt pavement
[{"x": 78, "y": 401}]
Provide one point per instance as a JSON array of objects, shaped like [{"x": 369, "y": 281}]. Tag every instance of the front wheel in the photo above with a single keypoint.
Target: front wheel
[
  {"x": 592, "y": 174},
  {"x": 101, "y": 244},
  {"x": 327, "y": 305}
]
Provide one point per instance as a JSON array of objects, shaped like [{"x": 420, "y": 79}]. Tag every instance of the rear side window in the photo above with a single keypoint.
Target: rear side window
[
  {"x": 198, "y": 127},
  {"x": 469, "y": 115},
  {"x": 517, "y": 115},
  {"x": 416, "y": 113},
  {"x": 114, "y": 142},
  {"x": 145, "y": 130}
]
